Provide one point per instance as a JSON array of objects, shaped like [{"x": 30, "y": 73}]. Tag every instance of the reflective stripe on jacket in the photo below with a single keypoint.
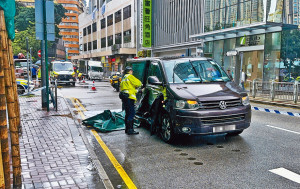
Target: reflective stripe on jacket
[
  {"x": 40, "y": 73},
  {"x": 129, "y": 84}
]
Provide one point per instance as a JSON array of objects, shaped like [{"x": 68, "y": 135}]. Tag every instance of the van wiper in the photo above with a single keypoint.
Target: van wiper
[{"x": 198, "y": 75}]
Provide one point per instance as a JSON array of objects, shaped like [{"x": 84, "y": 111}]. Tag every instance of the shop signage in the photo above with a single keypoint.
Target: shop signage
[
  {"x": 147, "y": 23},
  {"x": 252, "y": 40}
]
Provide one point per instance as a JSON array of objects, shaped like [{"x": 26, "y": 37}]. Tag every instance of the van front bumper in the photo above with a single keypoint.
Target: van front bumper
[{"x": 212, "y": 121}]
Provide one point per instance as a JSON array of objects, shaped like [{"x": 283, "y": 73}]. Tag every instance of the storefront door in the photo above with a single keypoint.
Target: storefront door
[{"x": 252, "y": 66}]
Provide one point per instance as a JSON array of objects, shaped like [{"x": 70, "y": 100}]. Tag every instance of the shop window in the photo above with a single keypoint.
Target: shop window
[
  {"x": 103, "y": 42},
  {"x": 127, "y": 12},
  {"x": 94, "y": 26},
  {"x": 89, "y": 46},
  {"x": 89, "y": 31},
  {"x": 110, "y": 40},
  {"x": 95, "y": 45},
  {"x": 118, "y": 38},
  {"x": 127, "y": 36},
  {"x": 110, "y": 20},
  {"x": 118, "y": 16},
  {"x": 103, "y": 23},
  {"x": 84, "y": 31}
]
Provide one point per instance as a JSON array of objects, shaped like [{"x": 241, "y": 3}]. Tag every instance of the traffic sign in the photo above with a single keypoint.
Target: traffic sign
[{"x": 40, "y": 53}]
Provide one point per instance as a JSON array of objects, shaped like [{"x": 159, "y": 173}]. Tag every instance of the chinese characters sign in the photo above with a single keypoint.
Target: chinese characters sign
[{"x": 147, "y": 23}]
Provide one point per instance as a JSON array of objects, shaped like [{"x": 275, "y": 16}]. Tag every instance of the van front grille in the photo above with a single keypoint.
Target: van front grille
[
  {"x": 215, "y": 104},
  {"x": 64, "y": 77},
  {"x": 220, "y": 120}
]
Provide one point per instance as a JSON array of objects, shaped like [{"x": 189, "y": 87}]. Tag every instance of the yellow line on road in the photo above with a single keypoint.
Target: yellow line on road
[
  {"x": 78, "y": 102},
  {"x": 129, "y": 183}
]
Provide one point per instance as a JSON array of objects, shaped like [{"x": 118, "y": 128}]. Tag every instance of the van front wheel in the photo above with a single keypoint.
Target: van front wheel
[{"x": 167, "y": 132}]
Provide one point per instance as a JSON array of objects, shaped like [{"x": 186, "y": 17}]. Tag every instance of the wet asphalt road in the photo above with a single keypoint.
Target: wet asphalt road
[{"x": 200, "y": 161}]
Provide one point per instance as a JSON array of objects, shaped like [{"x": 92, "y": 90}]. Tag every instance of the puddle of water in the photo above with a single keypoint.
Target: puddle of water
[
  {"x": 183, "y": 154},
  {"x": 177, "y": 150},
  {"x": 191, "y": 158},
  {"x": 236, "y": 150},
  {"x": 220, "y": 146},
  {"x": 198, "y": 163}
]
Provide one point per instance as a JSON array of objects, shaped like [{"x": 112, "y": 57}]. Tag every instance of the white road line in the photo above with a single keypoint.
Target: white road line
[
  {"x": 286, "y": 174},
  {"x": 283, "y": 129}
]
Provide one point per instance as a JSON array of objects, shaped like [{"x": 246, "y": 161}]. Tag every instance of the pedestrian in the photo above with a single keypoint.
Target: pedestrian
[
  {"x": 129, "y": 85},
  {"x": 33, "y": 72},
  {"x": 40, "y": 73},
  {"x": 243, "y": 79}
]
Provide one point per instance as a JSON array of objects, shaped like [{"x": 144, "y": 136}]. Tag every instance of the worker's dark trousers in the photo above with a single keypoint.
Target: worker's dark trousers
[{"x": 129, "y": 109}]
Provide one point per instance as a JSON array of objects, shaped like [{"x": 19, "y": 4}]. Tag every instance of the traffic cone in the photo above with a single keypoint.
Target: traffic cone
[
  {"x": 93, "y": 87},
  {"x": 83, "y": 81}
]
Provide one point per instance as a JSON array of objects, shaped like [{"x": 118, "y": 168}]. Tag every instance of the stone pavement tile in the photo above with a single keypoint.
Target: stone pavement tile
[{"x": 53, "y": 154}]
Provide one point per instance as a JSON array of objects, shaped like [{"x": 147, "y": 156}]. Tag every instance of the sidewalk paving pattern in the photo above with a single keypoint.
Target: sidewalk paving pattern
[{"x": 53, "y": 154}]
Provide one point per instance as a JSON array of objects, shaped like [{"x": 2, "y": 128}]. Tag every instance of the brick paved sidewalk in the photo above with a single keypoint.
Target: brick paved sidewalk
[{"x": 53, "y": 154}]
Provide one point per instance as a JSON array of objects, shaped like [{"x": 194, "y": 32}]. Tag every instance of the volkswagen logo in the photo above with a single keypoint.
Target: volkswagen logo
[{"x": 222, "y": 105}]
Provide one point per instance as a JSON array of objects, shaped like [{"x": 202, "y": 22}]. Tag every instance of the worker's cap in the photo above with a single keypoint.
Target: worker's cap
[{"x": 127, "y": 69}]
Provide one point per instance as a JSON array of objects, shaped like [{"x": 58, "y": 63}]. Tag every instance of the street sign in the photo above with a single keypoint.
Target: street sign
[
  {"x": 39, "y": 22},
  {"x": 40, "y": 53}
]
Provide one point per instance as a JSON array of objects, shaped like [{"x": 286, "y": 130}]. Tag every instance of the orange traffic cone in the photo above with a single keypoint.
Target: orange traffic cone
[
  {"x": 83, "y": 81},
  {"x": 93, "y": 87}
]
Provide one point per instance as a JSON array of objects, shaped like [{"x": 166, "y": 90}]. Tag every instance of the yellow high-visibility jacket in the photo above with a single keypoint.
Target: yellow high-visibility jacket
[
  {"x": 129, "y": 84},
  {"x": 40, "y": 74}
]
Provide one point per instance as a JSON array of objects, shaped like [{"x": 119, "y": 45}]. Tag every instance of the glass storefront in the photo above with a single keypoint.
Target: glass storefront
[{"x": 221, "y": 14}]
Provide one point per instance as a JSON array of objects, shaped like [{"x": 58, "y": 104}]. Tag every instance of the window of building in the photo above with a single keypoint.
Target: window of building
[
  {"x": 94, "y": 26},
  {"x": 84, "y": 31},
  {"x": 94, "y": 44},
  {"x": 89, "y": 30},
  {"x": 103, "y": 25},
  {"x": 103, "y": 42},
  {"x": 85, "y": 47},
  {"x": 118, "y": 38},
  {"x": 127, "y": 36},
  {"x": 110, "y": 20},
  {"x": 127, "y": 12},
  {"x": 118, "y": 16},
  {"x": 110, "y": 40},
  {"x": 89, "y": 46}
]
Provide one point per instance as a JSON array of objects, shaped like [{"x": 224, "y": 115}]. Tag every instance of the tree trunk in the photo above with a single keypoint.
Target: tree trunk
[
  {"x": 11, "y": 109},
  {"x": 3, "y": 121}
]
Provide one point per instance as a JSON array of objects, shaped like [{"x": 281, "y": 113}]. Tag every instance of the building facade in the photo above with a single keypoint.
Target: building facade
[
  {"x": 69, "y": 27},
  {"x": 107, "y": 34},
  {"x": 258, "y": 37}
]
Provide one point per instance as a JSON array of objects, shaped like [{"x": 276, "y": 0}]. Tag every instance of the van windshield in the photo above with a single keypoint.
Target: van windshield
[
  {"x": 183, "y": 71},
  {"x": 21, "y": 64},
  {"x": 96, "y": 69},
  {"x": 62, "y": 67}
]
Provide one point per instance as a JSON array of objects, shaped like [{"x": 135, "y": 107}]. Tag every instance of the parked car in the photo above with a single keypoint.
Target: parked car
[
  {"x": 22, "y": 85},
  {"x": 189, "y": 96}
]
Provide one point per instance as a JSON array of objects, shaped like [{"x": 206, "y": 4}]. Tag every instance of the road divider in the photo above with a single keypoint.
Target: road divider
[
  {"x": 127, "y": 180},
  {"x": 286, "y": 174},
  {"x": 283, "y": 129}
]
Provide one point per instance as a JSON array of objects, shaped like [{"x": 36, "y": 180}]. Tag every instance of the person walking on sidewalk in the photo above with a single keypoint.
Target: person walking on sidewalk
[{"x": 129, "y": 85}]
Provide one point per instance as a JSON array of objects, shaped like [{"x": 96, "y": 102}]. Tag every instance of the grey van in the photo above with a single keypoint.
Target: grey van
[{"x": 189, "y": 96}]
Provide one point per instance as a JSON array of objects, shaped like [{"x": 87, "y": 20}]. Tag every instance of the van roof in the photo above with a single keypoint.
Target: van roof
[
  {"x": 61, "y": 62},
  {"x": 170, "y": 58}
]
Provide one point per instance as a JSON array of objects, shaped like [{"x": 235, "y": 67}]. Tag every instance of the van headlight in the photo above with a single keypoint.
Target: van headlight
[
  {"x": 187, "y": 104},
  {"x": 245, "y": 100}
]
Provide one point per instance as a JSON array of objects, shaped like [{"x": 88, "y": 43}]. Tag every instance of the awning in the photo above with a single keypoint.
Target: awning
[{"x": 251, "y": 29}]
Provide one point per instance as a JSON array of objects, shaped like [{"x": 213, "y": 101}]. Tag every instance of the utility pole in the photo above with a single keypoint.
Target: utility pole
[
  {"x": 27, "y": 65},
  {"x": 46, "y": 54}
]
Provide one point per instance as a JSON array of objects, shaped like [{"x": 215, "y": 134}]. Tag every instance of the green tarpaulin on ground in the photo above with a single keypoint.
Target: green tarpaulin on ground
[
  {"x": 107, "y": 121},
  {"x": 9, "y": 8}
]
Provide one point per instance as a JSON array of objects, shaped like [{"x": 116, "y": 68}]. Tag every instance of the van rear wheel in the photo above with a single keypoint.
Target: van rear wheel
[{"x": 167, "y": 132}]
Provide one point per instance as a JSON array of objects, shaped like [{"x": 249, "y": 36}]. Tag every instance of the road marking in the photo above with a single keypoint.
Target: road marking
[
  {"x": 114, "y": 161},
  {"x": 129, "y": 183},
  {"x": 78, "y": 102},
  {"x": 286, "y": 174},
  {"x": 283, "y": 129}
]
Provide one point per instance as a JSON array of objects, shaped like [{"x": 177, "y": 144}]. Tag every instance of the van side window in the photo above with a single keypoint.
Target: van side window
[
  {"x": 138, "y": 69},
  {"x": 155, "y": 71}
]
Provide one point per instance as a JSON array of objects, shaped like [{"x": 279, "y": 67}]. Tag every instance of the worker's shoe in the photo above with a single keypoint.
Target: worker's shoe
[{"x": 131, "y": 131}]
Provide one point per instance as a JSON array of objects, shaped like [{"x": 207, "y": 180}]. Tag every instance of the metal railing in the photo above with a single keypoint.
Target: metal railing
[{"x": 288, "y": 91}]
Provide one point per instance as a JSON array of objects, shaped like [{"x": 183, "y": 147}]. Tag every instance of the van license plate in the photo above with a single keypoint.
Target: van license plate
[
  {"x": 223, "y": 128},
  {"x": 71, "y": 79}
]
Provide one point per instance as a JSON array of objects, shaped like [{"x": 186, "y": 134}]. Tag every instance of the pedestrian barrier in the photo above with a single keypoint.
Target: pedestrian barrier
[{"x": 287, "y": 91}]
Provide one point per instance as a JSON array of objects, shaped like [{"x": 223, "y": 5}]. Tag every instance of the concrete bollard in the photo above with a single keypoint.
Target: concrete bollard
[
  {"x": 296, "y": 91},
  {"x": 272, "y": 92}
]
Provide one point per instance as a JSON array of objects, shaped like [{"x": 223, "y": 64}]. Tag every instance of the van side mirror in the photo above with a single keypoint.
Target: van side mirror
[{"x": 153, "y": 80}]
